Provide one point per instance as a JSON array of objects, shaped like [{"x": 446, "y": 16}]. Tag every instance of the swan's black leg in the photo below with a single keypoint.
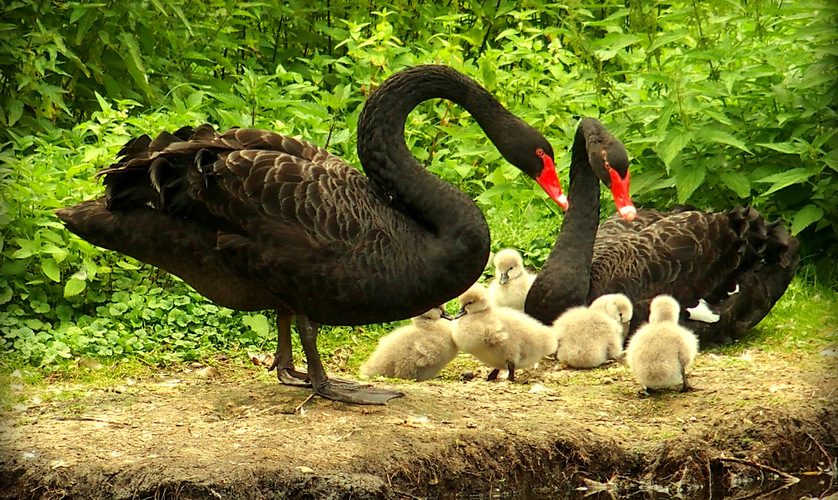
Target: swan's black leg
[
  {"x": 493, "y": 375},
  {"x": 511, "y": 368},
  {"x": 283, "y": 360},
  {"x": 347, "y": 392}
]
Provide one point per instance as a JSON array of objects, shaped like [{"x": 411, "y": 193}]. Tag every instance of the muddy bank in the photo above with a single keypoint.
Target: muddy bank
[{"x": 759, "y": 422}]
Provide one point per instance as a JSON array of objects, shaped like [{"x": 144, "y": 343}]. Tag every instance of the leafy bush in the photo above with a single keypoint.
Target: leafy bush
[{"x": 719, "y": 103}]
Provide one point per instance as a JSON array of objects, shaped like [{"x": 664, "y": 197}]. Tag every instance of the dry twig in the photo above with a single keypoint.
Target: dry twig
[
  {"x": 785, "y": 475},
  {"x": 91, "y": 419}
]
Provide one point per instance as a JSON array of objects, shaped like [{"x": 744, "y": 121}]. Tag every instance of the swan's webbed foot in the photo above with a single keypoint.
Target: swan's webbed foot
[
  {"x": 493, "y": 375},
  {"x": 292, "y": 377},
  {"x": 336, "y": 389},
  {"x": 355, "y": 393}
]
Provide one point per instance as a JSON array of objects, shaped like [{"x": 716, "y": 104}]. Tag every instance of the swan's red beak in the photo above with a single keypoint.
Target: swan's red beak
[
  {"x": 620, "y": 190},
  {"x": 549, "y": 182}
]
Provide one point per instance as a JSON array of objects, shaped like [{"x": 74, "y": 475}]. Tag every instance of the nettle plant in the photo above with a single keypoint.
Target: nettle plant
[{"x": 719, "y": 103}]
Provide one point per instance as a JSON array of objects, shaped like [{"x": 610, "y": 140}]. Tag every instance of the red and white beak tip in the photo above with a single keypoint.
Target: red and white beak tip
[
  {"x": 562, "y": 201},
  {"x": 628, "y": 212}
]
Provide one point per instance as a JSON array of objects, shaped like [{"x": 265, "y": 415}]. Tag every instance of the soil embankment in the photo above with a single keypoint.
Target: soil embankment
[{"x": 759, "y": 422}]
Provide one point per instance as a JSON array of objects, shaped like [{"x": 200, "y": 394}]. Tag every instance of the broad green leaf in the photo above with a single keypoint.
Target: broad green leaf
[
  {"x": 22, "y": 253},
  {"x": 831, "y": 159},
  {"x": 62, "y": 349},
  {"x": 50, "y": 269},
  {"x": 104, "y": 105},
  {"x": 27, "y": 249},
  {"x": 74, "y": 287},
  {"x": 53, "y": 94},
  {"x": 736, "y": 182},
  {"x": 259, "y": 324},
  {"x": 81, "y": 274},
  {"x": 722, "y": 137},
  {"x": 607, "y": 47},
  {"x": 340, "y": 136},
  {"x": 687, "y": 180},
  {"x": 78, "y": 11},
  {"x": 134, "y": 62},
  {"x": 118, "y": 309},
  {"x": 91, "y": 268},
  {"x": 667, "y": 37},
  {"x": 127, "y": 265},
  {"x": 488, "y": 74},
  {"x": 497, "y": 177},
  {"x": 159, "y": 6},
  {"x": 14, "y": 112},
  {"x": 673, "y": 143},
  {"x": 58, "y": 253},
  {"x": 791, "y": 148},
  {"x": 719, "y": 117},
  {"x": 785, "y": 179},
  {"x": 195, "y": 99},
  {"x": 805, "y": 217}
]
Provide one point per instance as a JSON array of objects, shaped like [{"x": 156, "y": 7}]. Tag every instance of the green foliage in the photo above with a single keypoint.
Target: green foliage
[{"x": 718, "y": 102}]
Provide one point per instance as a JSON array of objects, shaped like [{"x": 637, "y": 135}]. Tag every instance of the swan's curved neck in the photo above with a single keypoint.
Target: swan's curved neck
[
  {"x": 565, "y": 278},
  {"x": 395, "y": 173}
]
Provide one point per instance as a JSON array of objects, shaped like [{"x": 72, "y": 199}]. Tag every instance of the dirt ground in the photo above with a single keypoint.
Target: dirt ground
[{"x": 763, "y": 423}]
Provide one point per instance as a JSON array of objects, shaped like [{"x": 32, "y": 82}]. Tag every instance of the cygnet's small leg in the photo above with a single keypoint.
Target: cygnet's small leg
[
  {"x": 283, "y": 359},
  {"x": 347, "y": 392},
  {"x": 511, "y": 369},
  {"x": 685, "y": 386},
  {"x": 493, "y": 375}
]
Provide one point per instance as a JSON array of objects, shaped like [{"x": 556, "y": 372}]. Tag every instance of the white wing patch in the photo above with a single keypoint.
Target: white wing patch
[{"x": 702, "y": 313}]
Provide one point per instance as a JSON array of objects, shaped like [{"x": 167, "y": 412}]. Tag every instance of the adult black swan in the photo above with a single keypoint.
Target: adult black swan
[
  {"x": 728, "y": 268},
  {"x": 255, "y": 220}
]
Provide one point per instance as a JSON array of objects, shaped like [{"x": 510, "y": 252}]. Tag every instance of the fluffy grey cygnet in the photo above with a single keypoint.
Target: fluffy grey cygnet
[
  {"x": 590, "y": 336},
  {"x": 417, "y": 351},
  {"x": 502, "y": 338},
  {"x": 512, "y": 281},
  {"x": 660, "y": 351}
]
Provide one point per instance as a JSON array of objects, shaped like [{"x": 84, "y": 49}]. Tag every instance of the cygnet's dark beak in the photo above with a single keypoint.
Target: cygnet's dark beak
[
  {"x": 460, "y": 313},
  {"x": 445, "y": 315},
  {"x": 504, "y": 277}
]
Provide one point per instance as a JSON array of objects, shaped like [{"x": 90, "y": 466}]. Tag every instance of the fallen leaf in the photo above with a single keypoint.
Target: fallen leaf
[
  {"x": 260, "y": 358},
  {"x": 208, "y": 372}
]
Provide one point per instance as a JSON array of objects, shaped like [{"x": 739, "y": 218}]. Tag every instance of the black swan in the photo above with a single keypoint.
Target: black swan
[
  {"x": 732, "y": 262},
  {"x": 255, "y": 220}
]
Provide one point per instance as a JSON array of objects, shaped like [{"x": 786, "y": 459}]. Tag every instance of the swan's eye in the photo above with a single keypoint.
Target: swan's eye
[
  {"x": 540, "y": 152},
  {"x": 608, "y": 166}
]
